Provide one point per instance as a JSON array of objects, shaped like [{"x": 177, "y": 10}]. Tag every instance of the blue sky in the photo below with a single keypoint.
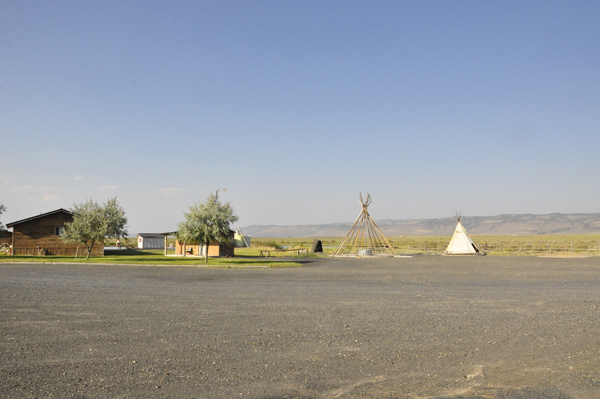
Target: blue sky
[{"x": 296, "y": 106}]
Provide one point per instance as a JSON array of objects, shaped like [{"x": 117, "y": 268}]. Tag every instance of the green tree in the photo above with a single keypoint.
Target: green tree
[
  {"x": 92, "y": 223},
  {"x": 207, "y": 222},
  {"x": 2, "y": 210}
]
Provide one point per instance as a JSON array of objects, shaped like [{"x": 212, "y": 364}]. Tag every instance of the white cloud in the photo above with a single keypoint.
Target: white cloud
[
  {"x": 170, "y": 192},
  {"x": 35, "y": 193},
  {"x": 31, "y": 189},
  {"x": 78, "y": 178},
  {"x": 49, "y": 197},
  {"x": 107, "y": 188}
]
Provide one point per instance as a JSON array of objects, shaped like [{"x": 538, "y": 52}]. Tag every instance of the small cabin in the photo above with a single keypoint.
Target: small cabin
[
  {"x": 151, "y": 241},
  {"x": 214, "y": 249},
  {"x": 40, "y": 235}
]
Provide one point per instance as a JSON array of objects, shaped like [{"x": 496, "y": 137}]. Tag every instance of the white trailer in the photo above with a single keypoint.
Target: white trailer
[{"x": 150, "y": 241}]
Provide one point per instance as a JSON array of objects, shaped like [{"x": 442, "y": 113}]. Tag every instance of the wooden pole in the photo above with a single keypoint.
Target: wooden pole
[
  {"x": 348, "y": 237},
  {"x": 364, "y": 234}
]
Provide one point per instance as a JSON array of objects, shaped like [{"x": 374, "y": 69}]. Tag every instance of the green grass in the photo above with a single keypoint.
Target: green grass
[
  {"x": 274, "y": 253},
  {"x": 295, "y": 243},
  {"x": 155, "y": 257},
  {"x": 588, "y": 244}
]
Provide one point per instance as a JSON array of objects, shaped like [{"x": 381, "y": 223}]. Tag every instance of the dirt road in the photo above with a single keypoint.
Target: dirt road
[{"x": 421, "y": 327}]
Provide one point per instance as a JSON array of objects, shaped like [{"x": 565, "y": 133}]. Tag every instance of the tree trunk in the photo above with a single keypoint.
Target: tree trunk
[
  {"x": 89, "y": 250},
  {"x": 206, "y": 253}
]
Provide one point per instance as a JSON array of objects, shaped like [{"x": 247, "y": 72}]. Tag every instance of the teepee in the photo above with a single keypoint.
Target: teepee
[
  {"x": 461, "y": 243},
  {"x": 364, "y": 238}
]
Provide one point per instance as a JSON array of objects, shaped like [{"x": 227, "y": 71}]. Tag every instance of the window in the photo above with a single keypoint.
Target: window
[{"x": 58, "y": 231}]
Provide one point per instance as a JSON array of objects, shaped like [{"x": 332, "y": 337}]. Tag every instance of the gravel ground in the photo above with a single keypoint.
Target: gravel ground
[{"x": 420, "y": 327}]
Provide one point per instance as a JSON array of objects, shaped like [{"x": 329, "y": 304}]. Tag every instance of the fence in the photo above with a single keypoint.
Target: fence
[
  {"x": 59, "y": 251},
  {"x": 494, "y": 246},
  {"x": 508, "y": 248}
]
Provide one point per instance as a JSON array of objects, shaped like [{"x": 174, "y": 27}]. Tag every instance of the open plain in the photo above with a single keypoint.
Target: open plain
[{"x": 420, "y": 327}]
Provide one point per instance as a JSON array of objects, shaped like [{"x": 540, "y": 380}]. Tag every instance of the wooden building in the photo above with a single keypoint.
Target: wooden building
[
  {"x": 214, "y": 248},
  {"x": 40, "y": 235}
]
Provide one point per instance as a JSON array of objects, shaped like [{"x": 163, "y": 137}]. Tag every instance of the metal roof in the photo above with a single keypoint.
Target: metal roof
[{"x": 150, "y": 235}]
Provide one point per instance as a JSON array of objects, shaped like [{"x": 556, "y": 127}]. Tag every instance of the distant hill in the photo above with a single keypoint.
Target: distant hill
[{"x": 526, "y": 224}]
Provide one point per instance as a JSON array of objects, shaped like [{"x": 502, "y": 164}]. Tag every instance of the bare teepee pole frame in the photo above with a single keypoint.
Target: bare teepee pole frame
[
  {"x": 458, "y": 216},
  {"x": 364, "y": 235}
]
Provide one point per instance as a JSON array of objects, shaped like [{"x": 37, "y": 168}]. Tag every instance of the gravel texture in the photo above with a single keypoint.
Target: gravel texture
[{"x": 420, "y": 327}]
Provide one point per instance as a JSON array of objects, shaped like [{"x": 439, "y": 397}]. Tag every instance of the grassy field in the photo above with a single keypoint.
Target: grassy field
[
  {"x": 493, "y": 245},
  {"x": 540, "y": 245},
  {"x": 156, "y": 257}
]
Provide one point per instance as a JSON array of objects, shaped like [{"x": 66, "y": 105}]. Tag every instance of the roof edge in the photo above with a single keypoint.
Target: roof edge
[{"x": 9, "y": 225}]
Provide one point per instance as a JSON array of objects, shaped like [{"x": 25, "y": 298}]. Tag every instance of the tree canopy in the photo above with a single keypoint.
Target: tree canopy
[
  {"x": 207, "y": 222},
  {"x": 2, "y": 210},
  {"x": 92, "y": 223}
]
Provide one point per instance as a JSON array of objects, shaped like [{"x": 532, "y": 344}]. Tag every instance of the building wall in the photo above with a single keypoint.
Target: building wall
[
  {"x": 225, "y": 249},
  {"x": 214, "y": 249},
  {"x": 32, "y": 236},
  {"x": 151, "y": 242},
  {"x": 190, "y": 249}
]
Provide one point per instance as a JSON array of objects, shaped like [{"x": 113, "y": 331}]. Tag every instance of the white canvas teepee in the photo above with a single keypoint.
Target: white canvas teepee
[
  {"x": 461, "y": 243},
  {"x": 365, "y": 238}
]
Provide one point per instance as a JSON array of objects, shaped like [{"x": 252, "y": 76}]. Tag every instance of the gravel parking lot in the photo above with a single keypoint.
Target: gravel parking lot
[{"x": 420, "y": 327}]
